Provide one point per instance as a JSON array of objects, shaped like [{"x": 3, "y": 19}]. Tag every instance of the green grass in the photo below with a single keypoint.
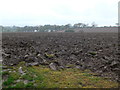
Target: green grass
[
  {"x": 19, "y": 85},
  {"x": 9, "y": 81},
  {"x": 5, "y": 73},
  {"x": 30, "y": 78},
  {"x": 30, "y": 85},
  {"x": 43, "y": 77}
]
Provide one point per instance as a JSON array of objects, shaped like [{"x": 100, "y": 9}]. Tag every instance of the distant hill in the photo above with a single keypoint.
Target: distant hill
[{"x": 97, "y": 29}]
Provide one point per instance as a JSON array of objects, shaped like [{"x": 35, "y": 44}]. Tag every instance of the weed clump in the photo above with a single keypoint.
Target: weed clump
[{"x": 49, "y": 55}]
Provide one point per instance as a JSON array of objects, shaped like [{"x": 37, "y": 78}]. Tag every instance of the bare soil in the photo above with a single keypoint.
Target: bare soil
[{"x": 97, "y": 52}]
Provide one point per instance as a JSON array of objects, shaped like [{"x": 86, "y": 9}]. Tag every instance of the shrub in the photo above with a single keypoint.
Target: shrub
[{"x": 69, "y": 30}]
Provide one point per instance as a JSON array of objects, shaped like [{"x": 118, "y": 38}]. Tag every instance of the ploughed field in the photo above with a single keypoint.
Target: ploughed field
[{"x": 60, "y": 55}]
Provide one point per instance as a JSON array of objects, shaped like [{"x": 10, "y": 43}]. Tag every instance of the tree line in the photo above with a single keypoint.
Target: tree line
[{"x": 45, "y": 28}]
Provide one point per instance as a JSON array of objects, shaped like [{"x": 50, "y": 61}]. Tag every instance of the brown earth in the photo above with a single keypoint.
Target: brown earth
[{"x": 97, "y": 52}]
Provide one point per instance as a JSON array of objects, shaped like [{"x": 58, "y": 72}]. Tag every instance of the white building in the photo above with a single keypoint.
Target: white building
[
  {"x": 35, "y": 30},
  {"x": 49, "y": 30}
]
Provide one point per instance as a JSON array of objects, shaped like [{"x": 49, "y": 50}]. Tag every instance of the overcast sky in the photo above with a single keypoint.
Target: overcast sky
[{"x": 40, "y": 12}]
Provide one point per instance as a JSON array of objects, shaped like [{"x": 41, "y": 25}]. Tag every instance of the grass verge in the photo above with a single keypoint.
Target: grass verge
[{"x": 43, "y": 77}]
